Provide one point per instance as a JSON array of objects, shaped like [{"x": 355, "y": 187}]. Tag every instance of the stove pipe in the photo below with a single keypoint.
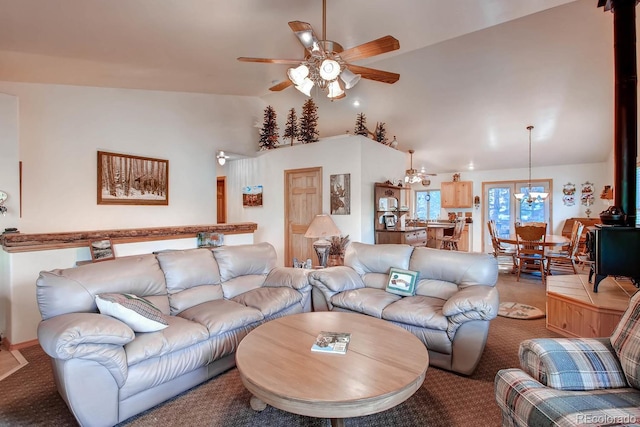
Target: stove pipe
[{"x": 625, "y": 148}]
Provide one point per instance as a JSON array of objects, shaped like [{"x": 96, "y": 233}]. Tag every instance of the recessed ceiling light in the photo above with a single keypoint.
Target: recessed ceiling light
[{"x": 356, "y": 103}]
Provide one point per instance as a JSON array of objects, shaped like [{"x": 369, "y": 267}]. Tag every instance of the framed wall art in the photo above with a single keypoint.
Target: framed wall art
[
  {"x": 132, "y": 180},
  {"x": 340, "y": 186},
  {"x": 101, "y": 250},
  {"x": 252, "y": 196}
]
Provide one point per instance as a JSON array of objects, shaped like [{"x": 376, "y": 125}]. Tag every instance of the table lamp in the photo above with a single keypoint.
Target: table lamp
[{"x": 320, "y": 228}]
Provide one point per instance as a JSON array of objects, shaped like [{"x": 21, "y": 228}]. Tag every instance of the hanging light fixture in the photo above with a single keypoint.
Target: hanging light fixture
[
  {"x": 414, "y": 176},
  {"x": 222, "y": 157},
  {"x": 530, "y": 196}
]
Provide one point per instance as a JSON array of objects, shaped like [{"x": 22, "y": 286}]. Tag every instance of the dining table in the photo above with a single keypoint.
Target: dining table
[{"x": 551, "y": 240}]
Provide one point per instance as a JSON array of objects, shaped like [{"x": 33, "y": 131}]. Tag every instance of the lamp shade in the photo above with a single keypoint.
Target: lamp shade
[
  {"x": 329, "y": 69},
  {"x": 335, "y": 91},
  {"x": 350, "y": 79},
  {"x": 322, "y": 227},
  {"x": 298, "y": 74},
  {"x": 306, "y": 86}
]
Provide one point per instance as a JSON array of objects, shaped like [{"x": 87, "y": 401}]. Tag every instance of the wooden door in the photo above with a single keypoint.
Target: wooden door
[
  {"x": 303, "y": 201},
  {"x": 221, "y": 199}
]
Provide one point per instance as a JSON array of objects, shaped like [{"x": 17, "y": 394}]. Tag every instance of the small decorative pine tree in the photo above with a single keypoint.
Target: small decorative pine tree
[
  {"x": 381, "y": 134},
  {"x": 269, "y": 133},
  {"x": 292, "y": 130},
  {"x": 309, "y": 122},
  {"x": 361, "y": 125}
]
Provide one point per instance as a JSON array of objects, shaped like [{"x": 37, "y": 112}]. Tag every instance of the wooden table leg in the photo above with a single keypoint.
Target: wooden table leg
[{"x": 257, "y": 404}]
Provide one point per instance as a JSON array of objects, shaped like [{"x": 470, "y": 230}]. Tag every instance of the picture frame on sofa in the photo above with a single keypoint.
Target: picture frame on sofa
[{"x": 402, "y": 282}]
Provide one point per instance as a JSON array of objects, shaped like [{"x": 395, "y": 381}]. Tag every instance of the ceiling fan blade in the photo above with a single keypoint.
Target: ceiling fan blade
[
  {"x": 373, "y": 74},
  {"x": 281, "y": 86},
  {"x": 271, "y": 61},
  {"x": 375, "y": 47},
  {"x": 307, "y": 37}
]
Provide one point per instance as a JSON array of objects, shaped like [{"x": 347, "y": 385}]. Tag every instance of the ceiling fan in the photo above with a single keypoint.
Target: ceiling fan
[
  {"x": 413, "y": 176},
  {"x": 327, "y": 65}
]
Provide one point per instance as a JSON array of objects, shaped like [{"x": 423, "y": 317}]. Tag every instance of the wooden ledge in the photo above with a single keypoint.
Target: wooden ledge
[{"x": 18, "y": 242}]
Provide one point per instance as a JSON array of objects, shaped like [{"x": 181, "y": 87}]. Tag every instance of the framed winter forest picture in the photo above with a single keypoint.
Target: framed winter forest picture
[{"x": 132, "y": 180}]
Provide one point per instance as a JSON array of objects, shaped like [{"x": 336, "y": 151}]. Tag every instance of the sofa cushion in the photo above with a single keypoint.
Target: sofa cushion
[
  {"x": 243, "y": 260},
  {"x": 138, "y": 313},
  {"x": 192, "y": 277},
  {"x": 222, "y": 316},
  {"x": 626, "y": 341},
  {"x": 365, "y": 258},
  {"x": 180, "y": 333},
  {"x": 72, "y": 290},
  {"x": 269, "y": 300},
  {"x": 241, "y": 284},
  {"x": 461, "y": 268},
  {"x": 425, "y": 312},
  {"x": 366, "y": 300}
]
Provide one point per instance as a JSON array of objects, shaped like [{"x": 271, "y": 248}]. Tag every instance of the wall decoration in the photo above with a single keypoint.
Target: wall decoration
[
  {"x": 340, "y": 187},
  {"x": 586, "y": 198},
  {"x": 380, "y": 134},
  {"x": 361, "y": 125},
  {"x": 207, "y": 240},
  {"x": 269, "y": 133},
  {"x": 291, "y": 129},
  {"x": 101, "y": 250},
  {"x": 569, "y": 194},
  {"x": 309, "y": 123},
  {"x": 252, "y": 196},
  {"x": 132, "y": 180}
]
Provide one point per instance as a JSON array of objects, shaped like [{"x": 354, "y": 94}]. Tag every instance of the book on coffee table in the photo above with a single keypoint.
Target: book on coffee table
[{"x": 331, "y": 342}]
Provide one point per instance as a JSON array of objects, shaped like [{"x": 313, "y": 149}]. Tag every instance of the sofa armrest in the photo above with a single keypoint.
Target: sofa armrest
[
  {"x": 90, "y": 336},
  {"x": 477, "y": 302},
  {"x": 296, "y": 278},
  {"x": 572, "y": 363},
  {"x": 332, "y": 280}
]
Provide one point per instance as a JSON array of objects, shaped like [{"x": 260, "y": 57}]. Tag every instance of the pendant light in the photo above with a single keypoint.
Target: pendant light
[{"x": 530, "y": 196}]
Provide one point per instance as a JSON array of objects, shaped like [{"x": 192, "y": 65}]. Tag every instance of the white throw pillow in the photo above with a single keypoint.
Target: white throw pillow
[{"x": 138, "y": 313}]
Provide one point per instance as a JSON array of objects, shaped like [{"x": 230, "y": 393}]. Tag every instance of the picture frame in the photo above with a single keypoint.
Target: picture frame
[
  {"x": 101, "y": 250},
  {"x": 210, "y": 240},
  {"x": 340, "y": 192},
  {"x": 390, "y": 221},
  {"x": 252, "y": 196},
  {"x": 402, "y": 282},
  {"x": 124, "y": 179}
]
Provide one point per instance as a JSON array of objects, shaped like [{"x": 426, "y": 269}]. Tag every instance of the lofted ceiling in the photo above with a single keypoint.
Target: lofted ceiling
[{"x": 473, "y": 73}]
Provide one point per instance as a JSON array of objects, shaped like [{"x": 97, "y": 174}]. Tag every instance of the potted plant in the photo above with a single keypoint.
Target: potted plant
[{"x": 336, "y": 251}]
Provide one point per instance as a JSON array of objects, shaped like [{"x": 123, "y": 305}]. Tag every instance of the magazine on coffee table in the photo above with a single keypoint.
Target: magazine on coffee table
[{"x": 331, "y": 342}]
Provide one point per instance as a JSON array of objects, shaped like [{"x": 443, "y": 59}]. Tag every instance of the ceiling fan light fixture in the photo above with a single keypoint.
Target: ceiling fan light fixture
[
  {"x": 298, "y": 74},
  {"x": 329, "y": 69},
  {"x": 306, "y": 86},
  {"x": 335, "y": 91},
  {"x": 349, "y": 78}
]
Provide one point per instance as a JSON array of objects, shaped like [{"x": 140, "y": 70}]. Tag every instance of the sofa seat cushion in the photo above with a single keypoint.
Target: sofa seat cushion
[
  {"x": 365, "y": 300},
  {"x": 180, "y": 333},
  {"x": 269, "y": 300},
  {"x": 222, "y": 316},
  {"x": 418, "y": 310}
]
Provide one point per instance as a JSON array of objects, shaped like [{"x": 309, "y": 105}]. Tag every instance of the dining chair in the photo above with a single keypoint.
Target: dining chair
[
  {"x": 568, "y": 258},
  {"x": 530, "y": 247},
  {"x": 451, "y": 242},
  {"x": 499, "y": 250}
]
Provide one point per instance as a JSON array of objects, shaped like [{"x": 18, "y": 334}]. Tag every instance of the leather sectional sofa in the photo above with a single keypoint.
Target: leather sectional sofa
[
  {"x": 455, "y": 297},
  {"x": 209, "y": 300}
]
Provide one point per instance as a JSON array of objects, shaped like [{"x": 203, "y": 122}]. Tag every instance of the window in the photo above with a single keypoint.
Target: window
[{"x": 428, "y": 205}]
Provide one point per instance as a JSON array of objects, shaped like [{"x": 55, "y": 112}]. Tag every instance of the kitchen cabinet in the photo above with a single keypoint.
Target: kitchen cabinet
[
  {"x": 457, "y": 194},
  {"x": 391, "y": 202},
  {"x": 414, "y": 236}
]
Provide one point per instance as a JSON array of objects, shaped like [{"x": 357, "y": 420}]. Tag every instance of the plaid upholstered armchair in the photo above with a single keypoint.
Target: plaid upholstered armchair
[{"x": 576, "y": 381}]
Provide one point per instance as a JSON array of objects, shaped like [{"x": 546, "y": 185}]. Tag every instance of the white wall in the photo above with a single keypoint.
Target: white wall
[
  {"x": 9, "y": 179},
  {"x": 61, "y": 129},
  {"x": 366, "y": 160}
]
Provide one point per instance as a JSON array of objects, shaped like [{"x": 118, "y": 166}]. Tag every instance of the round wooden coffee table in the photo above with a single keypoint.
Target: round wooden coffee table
[{"x": 384, "y": 365}]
